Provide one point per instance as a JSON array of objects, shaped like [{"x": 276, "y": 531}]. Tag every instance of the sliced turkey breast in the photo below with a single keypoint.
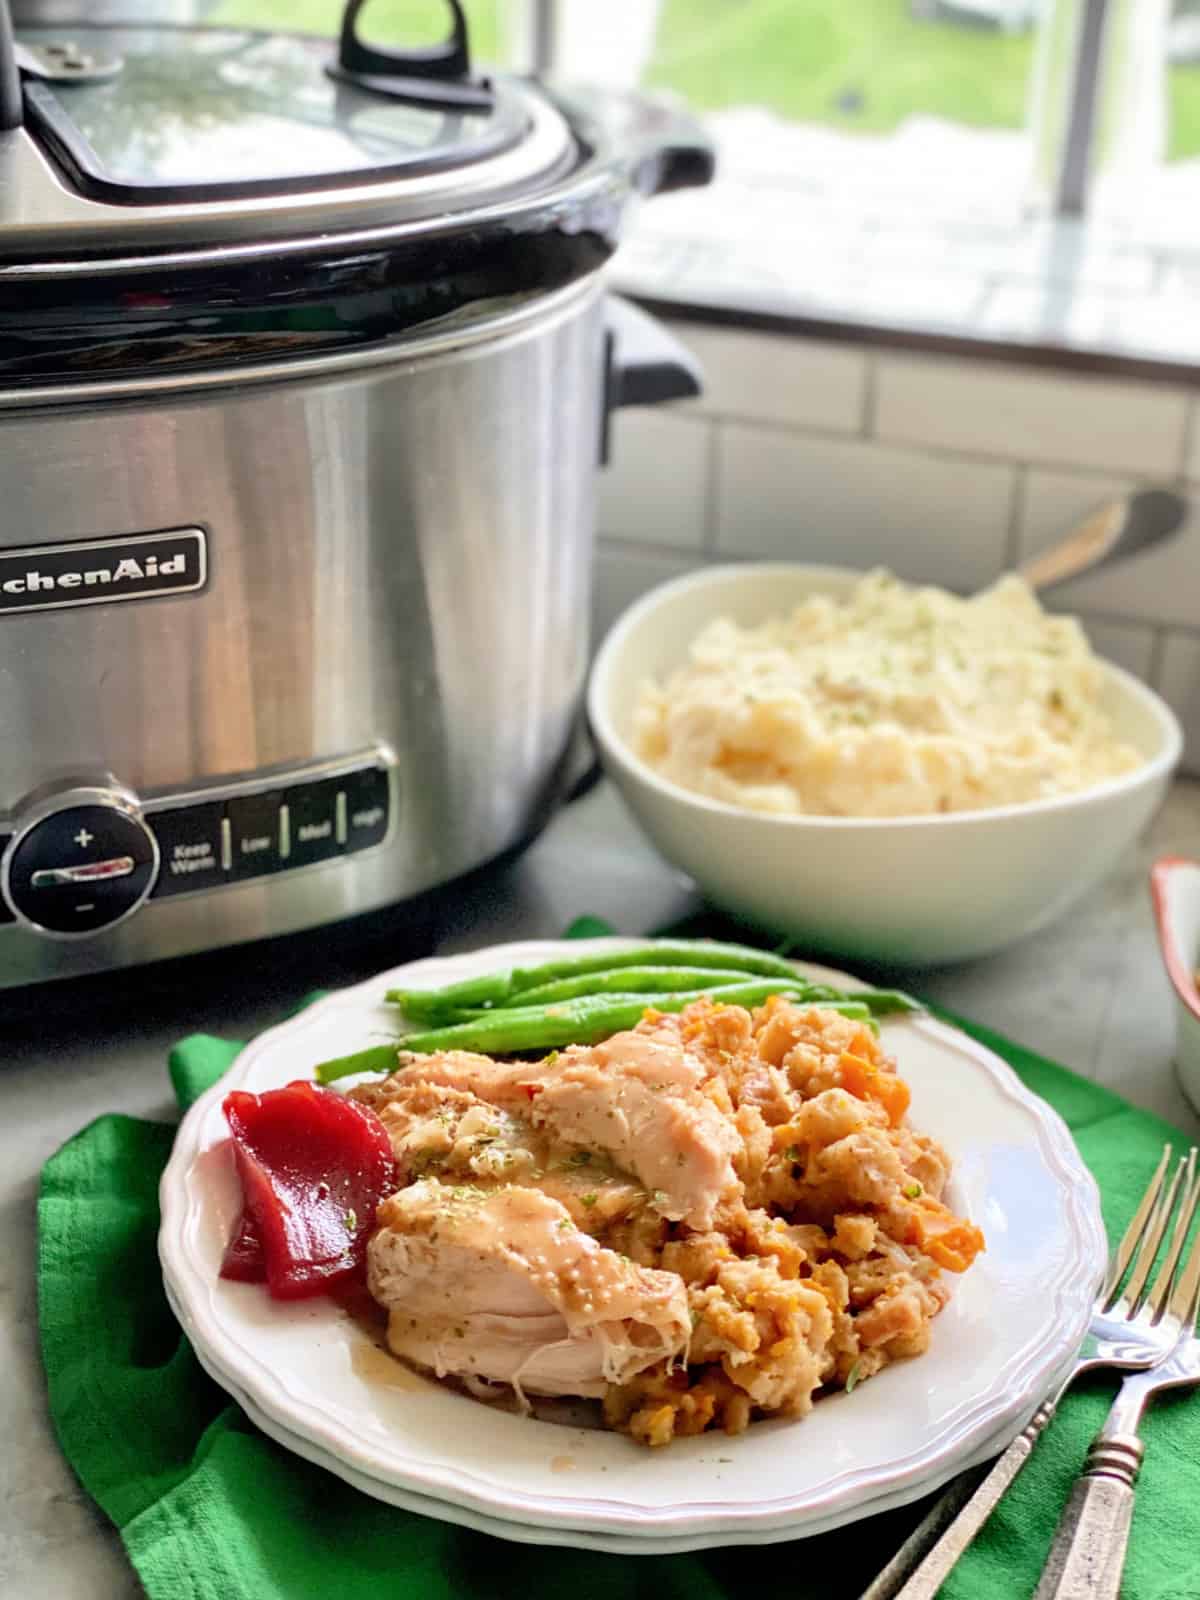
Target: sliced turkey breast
[
  {"x": 453, "y": 1135},
  {"x": 507, "y": 1084},
  {"x": 500, "y": 1284},
  {"x": 636, "y": 1097}
]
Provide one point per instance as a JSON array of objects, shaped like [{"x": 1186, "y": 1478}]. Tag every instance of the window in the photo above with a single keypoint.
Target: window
[
  {"x": 1147, "y": 148},
  {"x": 1183, "y": 81},
  {"x": 960, "y": 107},
  {"x": 1018, "y": 169},
  {"x": 867, "y": 78},
  {"x": 387, "y": 19},
  {"x": 1015, "y": 170}
]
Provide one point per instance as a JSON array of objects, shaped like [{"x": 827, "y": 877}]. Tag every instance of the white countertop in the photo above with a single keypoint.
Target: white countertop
[{"x": 1089, "y": 993}]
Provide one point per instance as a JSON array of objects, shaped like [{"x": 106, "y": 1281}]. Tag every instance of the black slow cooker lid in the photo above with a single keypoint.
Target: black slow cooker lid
[{"x": 162, "y": 115}]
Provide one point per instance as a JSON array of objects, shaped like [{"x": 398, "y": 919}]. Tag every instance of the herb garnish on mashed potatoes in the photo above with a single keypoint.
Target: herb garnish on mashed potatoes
[{"x": 898, "y": 701}]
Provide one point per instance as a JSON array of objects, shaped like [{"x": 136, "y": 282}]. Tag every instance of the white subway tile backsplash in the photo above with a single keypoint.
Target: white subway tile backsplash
[
  {"x": 1179, "y": 685},
  {"x": 1129, "y": 644},
  {"x": 622, "y": 575},
  {"x": 802, "y": 382},
  {"x": 857, "y": 503},
  {"x": 1106, "y": 423},
  {"x": 655, "y": 487}
]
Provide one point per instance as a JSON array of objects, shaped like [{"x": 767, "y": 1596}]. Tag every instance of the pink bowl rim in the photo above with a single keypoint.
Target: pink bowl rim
[{"x": 1180, "y": 972}]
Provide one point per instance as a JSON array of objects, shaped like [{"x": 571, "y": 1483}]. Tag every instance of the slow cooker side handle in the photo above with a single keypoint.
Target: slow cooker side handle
[
  {"x": 672, "y": 150},
  {"x": 653, "y": 141},
  {"x": 644, "y": 363}
]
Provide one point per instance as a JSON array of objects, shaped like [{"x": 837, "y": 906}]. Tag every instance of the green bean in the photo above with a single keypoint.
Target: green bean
[
  {"x": 848, "y": 1008},
  {"x": 379, "y": 1058},
  {"x": 499, "y": 988},
  {"x": 879, "y": 1002},
  {"x": 586, "y": 1020},
  {"x": 706, "y": 953},
  {"x": 628, "y": 980},
  {"x": 739, "y": 994},
  {"x": 885, "y": 1002},
  {"x": 506, "y": 1032},
  {"x": 427, "y": 1005},
  {"x": 589, "y": 1019}
]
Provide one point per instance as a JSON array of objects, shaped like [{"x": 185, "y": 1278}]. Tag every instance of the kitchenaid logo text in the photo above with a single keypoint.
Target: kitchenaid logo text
[{"x": 136, "y": 567}]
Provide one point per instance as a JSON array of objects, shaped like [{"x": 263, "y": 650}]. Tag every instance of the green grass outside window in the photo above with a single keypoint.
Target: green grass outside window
[{"x": 857, "y": 65}]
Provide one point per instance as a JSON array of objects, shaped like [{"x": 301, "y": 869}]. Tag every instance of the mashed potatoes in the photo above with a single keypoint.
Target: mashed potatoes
[{"x": 898, "y": 701}]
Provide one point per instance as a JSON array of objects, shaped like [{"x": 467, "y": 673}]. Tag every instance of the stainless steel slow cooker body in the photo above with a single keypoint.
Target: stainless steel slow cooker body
[{"x": 295, "y": 566}]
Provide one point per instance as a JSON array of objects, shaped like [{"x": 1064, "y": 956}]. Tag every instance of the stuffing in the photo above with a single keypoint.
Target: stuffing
[{"x": 743, "y": 1188}]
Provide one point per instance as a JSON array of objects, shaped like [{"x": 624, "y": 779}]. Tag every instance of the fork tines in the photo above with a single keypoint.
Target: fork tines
[{"x": 1174, "y": 1289}]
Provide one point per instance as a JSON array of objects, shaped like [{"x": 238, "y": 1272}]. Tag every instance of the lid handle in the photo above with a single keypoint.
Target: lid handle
[
  {"x": 12, "y": 110},
  {"x": 405, "y": 73},
  {"x": 450, "y": 59}
]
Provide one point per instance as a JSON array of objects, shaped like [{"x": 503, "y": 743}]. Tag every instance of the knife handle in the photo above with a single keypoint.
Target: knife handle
[{"x": 1087, "y": 1557}]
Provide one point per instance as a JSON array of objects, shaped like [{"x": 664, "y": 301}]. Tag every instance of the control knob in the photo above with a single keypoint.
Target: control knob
[{"x": 79, "y": 860}]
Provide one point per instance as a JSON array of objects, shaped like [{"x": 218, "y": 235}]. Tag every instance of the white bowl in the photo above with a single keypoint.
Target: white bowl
[
  {"x": 1175, "y": 884},
  {"x": 913, "y": 891}
]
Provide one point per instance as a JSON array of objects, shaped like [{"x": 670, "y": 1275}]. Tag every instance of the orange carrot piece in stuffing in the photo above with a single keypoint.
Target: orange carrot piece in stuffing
[
  {"x": 950, "y": 1241},
  {"x": 865, "y": 1082}
]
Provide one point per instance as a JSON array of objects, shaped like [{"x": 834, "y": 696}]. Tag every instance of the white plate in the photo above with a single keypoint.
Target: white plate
[
  {"x": 1013, "y": 1323},
  {"x": 576, "y": 1539}
]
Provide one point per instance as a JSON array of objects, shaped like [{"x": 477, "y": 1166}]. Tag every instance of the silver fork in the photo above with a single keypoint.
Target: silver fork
[
  {"x": 1131, "y": 1329},
  {"x": 1088, "y": 1554}
]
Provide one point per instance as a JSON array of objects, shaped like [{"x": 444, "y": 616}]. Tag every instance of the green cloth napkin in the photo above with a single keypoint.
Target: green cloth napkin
[{"x": 210, "y": 1509}]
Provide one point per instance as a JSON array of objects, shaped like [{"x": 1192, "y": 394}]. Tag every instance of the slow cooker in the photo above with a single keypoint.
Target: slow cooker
[{"x": 306, "y": 366}]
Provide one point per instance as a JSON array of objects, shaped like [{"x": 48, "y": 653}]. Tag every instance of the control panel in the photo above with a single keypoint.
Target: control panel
[{"x": 86, "y": 857}]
